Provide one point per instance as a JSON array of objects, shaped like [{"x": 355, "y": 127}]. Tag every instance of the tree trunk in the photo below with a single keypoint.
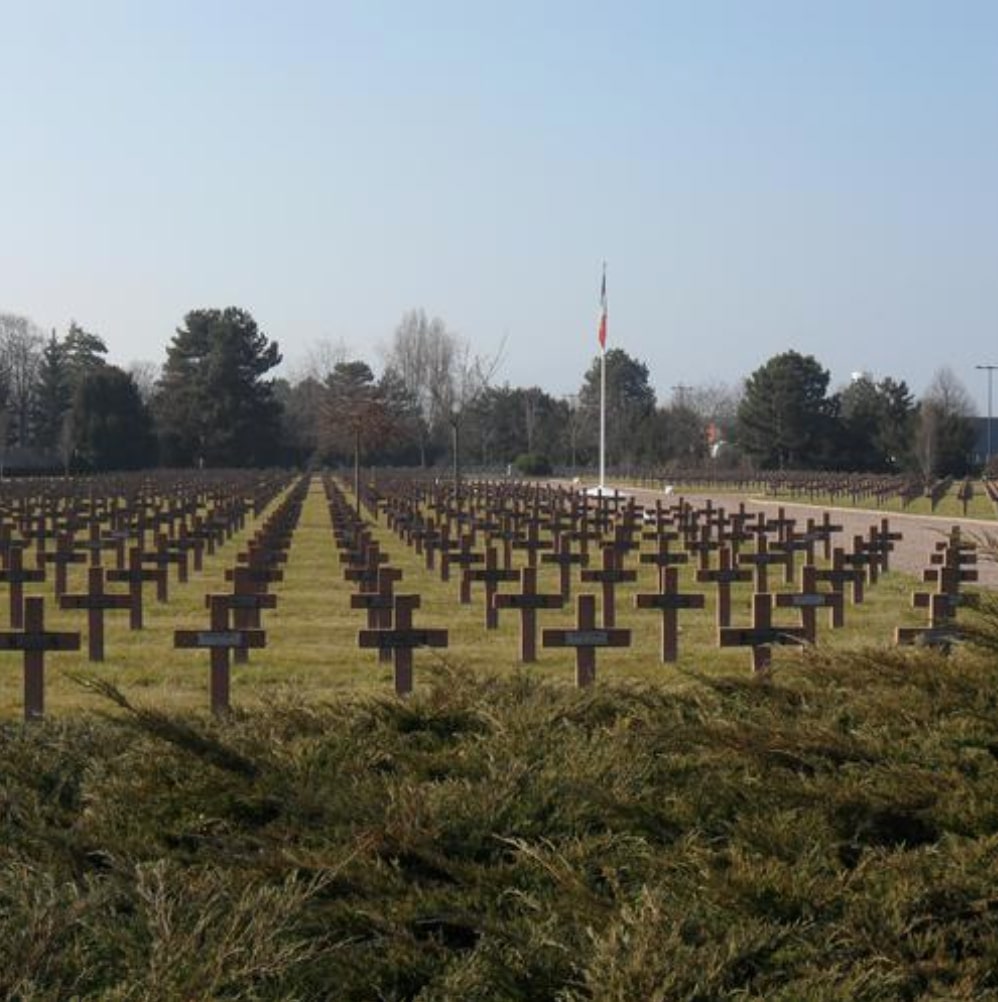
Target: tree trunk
[
  {"x": 455, "y": 445},
  {"x": 356, "y": 468}
]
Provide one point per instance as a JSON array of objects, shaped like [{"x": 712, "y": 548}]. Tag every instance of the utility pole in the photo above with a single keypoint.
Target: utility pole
[
  {"x": 681, "y": 389},
  {"x": 990, "y": 371}
]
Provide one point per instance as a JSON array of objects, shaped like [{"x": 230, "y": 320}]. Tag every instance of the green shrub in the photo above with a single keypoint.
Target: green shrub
[
  {"x": 530, "y": 464},
  {"x": 829, "y": 832}
]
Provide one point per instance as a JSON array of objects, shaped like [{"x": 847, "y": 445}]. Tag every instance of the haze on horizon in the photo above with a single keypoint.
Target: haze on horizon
[{"x": 759, "y": 177}]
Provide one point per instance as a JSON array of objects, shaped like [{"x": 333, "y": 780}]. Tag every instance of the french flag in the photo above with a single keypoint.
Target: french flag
[{"x": 602, "y": 312}]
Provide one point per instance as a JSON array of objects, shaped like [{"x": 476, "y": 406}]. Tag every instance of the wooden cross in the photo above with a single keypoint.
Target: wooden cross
[
  {"x": 670, "y": 600},
  {"x": 609, "y": 577},
  {"x": 249, "y": 597},
  {"x": 724, "y": 576},
  {"x": 863, "y": 560},
  {"x": 528, "y": 601},
  {"x": 173, "y": 554},
  {"x": 533, "y": 544},
  {"x": 809, "y": 600},
  {"x": 63, "y": 556},
  {"x": 663, "y": 558},
  {"x": 401, "y": 640},
  {"x": 187, "y": 541},
  {"x": 33, "y": 641},
  {"x": 96, "y": 601},
  {"x": 761, "y": 635},
  {"x": 219, "y": 639},
  {"x": 136, "y": 575},
  {"x": 586, "y": 638},
  {"x": 878, "y": 547},
  {"x": 885, "y": 538},
  {"x": 15, "y": 574},
  {"x": 464, "y": 558},
  {"x": 761, "y": 560},
  {"x": 446, "y": 546},
  {"x": 363, "y": 570},
  {"x": 838, "y": 576},
  {"x": 379, "y": 603},
  {"x": 791, "y": 544},
  {"x": 160, "y": 560},
  {"x": 658, "y": 525},
  {"x": 948, "y": 581},
  {"x": 565, "y": 559},
  {"x": 941, "y": 631},
  {"x": 95, "y": 544},
  {"x": 432, "y": 538},
  {"x": 827, "y": 531},
  {"x": 493, "y": 576},
  {"x": 954, "y": 554},
  {"x": 259, "y": 574}
]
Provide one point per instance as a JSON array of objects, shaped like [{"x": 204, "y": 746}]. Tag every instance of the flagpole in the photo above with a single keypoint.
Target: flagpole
[
  {"x": 602, "y": 418},
  {"x": 602, "y": 384}
]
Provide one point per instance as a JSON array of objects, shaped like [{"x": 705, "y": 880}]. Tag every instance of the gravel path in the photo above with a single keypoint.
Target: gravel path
[{"x": 920, "y": 533}]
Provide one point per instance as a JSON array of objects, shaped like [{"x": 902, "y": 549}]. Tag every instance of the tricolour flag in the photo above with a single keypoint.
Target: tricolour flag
[{"x": 602, "y": 312}]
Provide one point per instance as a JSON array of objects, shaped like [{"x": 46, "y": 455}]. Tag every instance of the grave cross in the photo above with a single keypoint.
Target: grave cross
[
  {"x": 528, "y": 602},
  {"x": 761, "y": 635},
  {"x": 533, "y": 544},
  {"x": 670, "y": 600},
  {"x": 249, "y": 596},
  {"x": 586, "y": 638},
  {"x": 63, "y": 556},
  {"x": 33, "y": 641},
  {"x": 96, "y": 601},
  {"x": 15, "y": 574},
  {"x": 379, "y": 603},
  {"x": 761, "y": 560},
  {"x": 862, "y": 560},
  {"x": 493, "y": 576},
  {"x": 565, "y": 559},
  {"x": 948, "y": 582},
  {"x": 827, "y": 531},
  {"x": 402, "y": 639},
  {"x": 724, "y": 576},
  {"x": 839, "y": 575},
  {"x": 609, "y": 577},
  {"x": 809, "y": 600},
  {"x": 941, "y": 631},
  {"x": 136, "y": 575},
  {"x": 464, "y": 558},
  {"x": 219, "y": 639},
  {"x": 663, "y": 558}
]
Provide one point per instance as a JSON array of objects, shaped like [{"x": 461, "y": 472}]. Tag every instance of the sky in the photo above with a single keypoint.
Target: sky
[{"x": 759, "y": 176}]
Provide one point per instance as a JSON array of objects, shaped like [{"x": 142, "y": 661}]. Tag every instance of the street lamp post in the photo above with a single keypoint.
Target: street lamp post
[{"x": 990, "y": 371}]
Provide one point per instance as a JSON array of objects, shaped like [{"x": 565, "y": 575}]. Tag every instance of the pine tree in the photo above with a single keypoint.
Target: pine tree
[
  {"x": 213, "y": 404},
  {"x": 54, "y": 396},
  {"x": 111, "y": 427}
]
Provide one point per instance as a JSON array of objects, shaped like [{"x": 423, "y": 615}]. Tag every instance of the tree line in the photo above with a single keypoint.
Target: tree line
[{"x": 215, "y": 401}]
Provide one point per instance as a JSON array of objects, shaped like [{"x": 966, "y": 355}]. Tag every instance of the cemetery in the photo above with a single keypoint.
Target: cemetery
[
  {"x": 498, "y": 576},
  {"x": 533, "y": 693},
  {"x": 505, "y": 678},
  {"x": 383, "y": 621}
]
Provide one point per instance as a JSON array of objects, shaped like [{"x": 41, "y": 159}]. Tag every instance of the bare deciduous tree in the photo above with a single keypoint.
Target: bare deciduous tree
[
  {"x": 422, "y": 354},
  {"x": 21, "y": 345},
  {"x": 145, "y": 376},
  {"x": 320, "y": 360},
  {"x": 943, "y": 430}
]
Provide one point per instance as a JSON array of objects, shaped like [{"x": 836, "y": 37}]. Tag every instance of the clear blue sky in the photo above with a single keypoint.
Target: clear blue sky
[{"x": 759, "y": 176}]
